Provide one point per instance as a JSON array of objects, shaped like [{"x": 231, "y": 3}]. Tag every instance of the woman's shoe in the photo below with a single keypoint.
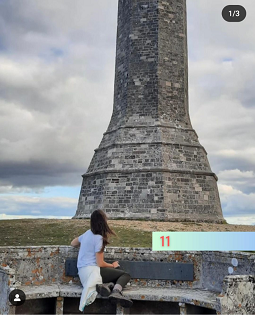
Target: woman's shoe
[
  {"x": 117, "y": 297},
  {"x": 105, "y": 289}
]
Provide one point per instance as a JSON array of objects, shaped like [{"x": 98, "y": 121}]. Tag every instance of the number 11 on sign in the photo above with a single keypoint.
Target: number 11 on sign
[{"x": 168, "y": 240}]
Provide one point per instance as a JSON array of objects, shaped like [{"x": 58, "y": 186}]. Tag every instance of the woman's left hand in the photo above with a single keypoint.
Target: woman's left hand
[{"x": 115, "y": 264}]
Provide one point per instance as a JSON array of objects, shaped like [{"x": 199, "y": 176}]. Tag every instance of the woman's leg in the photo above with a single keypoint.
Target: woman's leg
[
  {"x": 120, "y": 278},
  {"x": 117, "y": 276}
]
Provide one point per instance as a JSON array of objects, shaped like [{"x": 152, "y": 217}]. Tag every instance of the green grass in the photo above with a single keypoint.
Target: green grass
[
  {"x": 34, "y": 232},
  {"x": 37, "y": 232}
]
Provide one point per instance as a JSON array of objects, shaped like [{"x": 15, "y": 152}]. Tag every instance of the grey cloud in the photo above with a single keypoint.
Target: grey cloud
[
  {"x": 211, "y": 35},
  {"x": 221, "y": 98},
  {"x": 31, "y": 27},
  {"x": 239, "y": 205},
  {"x": 51, "y": 104},
  {"x": 221, "y": 163},
  {"x": 38, "y": 174},
  {"x": 247, "y": 95},
  {"x": 241, "y": 180},
  {"x": 23, "y": 205}
]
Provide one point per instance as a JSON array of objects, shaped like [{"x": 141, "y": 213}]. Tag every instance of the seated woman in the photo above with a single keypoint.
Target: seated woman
[{"x": 96, "y": 275}]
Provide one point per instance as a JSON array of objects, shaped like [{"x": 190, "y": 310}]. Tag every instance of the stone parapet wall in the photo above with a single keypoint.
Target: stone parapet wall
[
  {"x": 4, "y": 290},
  {"x": 216, "y": 265},
  {"x": 31, "y": 265},
  {"x": 41, "y": 265},
  {"x": 229, "y": 276},
  {"x": 237, "y": 296}
]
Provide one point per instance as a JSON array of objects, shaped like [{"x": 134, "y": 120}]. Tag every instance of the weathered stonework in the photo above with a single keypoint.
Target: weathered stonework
[
  {"x": 238, "y": 295},
  {"x": 4, "y": 287},
  {"x": 150, "y": 163},
  {"x": 40, "y": 272}
]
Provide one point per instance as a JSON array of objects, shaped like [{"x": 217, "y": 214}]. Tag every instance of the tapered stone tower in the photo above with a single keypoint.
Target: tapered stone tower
[{"x": 150, "y": 164}]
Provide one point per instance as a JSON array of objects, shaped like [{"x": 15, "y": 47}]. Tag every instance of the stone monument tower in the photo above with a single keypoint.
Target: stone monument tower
[{"x": 150, "y": 164}]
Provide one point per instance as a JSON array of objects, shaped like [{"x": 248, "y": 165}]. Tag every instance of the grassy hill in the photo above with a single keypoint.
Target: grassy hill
[
  {"x": 61, "y": 232},
  {"x": 32, "y": 232}
]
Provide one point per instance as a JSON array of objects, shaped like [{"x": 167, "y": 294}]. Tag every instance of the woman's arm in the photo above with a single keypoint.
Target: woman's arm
[
  {"x": 75, "y": 242},
  {"x": 102, "y": 263}
]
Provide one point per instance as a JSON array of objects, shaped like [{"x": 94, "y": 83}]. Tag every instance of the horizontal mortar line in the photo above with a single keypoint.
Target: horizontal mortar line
[
  {"x": 166, "y": 170},
  {"x": 156, "y": 142},
  {"x": 145, "y": 126}
]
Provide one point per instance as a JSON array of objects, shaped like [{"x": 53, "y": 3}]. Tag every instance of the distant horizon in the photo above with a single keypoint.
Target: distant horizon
[{"x": 68, "y": 218}]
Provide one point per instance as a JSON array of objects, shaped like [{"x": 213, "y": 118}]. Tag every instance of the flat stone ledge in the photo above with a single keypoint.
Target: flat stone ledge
[
  {"x": 196, "y": 297},
  {"x": 152, "y": 169},
  {"x": 190, "y": 296},
  {"x": 73, "y": 290},
  {"x": 39, "y": 292}
]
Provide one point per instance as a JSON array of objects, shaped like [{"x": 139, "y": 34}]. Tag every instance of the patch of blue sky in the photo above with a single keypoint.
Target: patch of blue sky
[
  {"x": 225, "y": 212},
  {"x": 45, "y": 211},
  {"x": 37, "y": 206},
  {"x": 4, "y": 216},
  {"x": 227, "y": 59},
  {"x": 61, "y": 191},
  {"x": 51, "y": 191},
  {"x": 51, "y": 54},
  {"x": 57, "y": 52},
  {"x": 193, "y": 54},
  {"x": 2, "y": 46}
]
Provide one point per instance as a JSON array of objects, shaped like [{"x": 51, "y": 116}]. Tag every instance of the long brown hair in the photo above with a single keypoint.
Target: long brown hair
[{"x": 98, "y": 225}]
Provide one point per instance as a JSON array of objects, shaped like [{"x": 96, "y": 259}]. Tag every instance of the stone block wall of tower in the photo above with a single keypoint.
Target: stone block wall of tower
[
  {"x": 172, "y": 64},
  {"x": 150, "y": 163},
  {"x": 136, "y": 77}
]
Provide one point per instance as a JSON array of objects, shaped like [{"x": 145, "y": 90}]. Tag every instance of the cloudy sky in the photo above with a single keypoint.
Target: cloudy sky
[{"x": 56, "y": 95}]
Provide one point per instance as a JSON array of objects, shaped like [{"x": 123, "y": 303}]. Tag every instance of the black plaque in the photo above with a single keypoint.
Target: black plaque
[
  {"x": 146, "y": 270},
  {"x": 158, "y": 270},
  {"x": 71, "y": 267}
]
